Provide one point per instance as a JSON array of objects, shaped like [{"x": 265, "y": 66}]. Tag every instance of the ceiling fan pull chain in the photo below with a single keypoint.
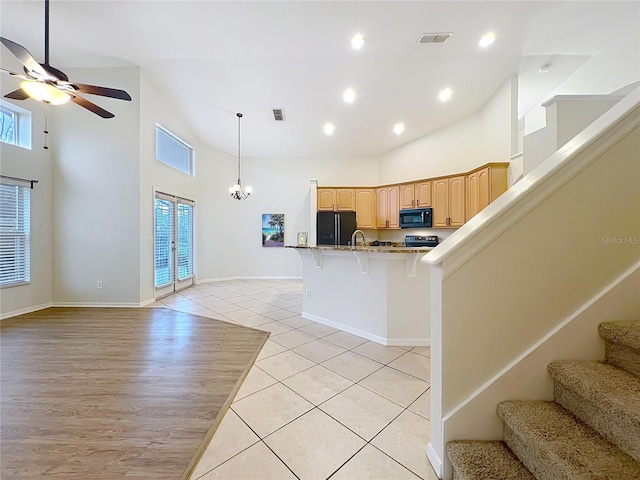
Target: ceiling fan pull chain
[{"x": 46, "y": 122}]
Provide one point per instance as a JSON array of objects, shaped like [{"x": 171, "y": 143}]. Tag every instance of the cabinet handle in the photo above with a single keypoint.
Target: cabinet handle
[{"x": 448, "y": 220}]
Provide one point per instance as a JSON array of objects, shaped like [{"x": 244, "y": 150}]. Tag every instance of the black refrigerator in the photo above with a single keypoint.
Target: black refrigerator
[{"x": 335, "y": 228}]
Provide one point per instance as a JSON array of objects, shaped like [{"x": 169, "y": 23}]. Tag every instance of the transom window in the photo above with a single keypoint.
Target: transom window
[
  {"x": 15, "y": 125},
  {"x": 173, "y": 151},
  {"x": 8, "y": 126}
]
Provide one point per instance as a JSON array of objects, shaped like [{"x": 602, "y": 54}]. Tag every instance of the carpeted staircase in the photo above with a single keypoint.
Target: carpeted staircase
[{"x": 591, "y": 431}]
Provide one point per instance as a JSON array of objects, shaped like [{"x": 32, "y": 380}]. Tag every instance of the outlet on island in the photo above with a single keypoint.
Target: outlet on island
[{"x": 307, "y": 293}]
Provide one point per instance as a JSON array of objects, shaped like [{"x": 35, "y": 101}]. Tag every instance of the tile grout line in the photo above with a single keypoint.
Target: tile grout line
[{"x": 314, "y": 406}]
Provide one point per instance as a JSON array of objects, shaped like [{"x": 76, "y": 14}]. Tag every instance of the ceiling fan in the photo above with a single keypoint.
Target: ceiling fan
[{"x": 47, "y": 84}]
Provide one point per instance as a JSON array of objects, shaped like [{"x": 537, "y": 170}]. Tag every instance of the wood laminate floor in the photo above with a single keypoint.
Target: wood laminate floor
[{"x": 110, "y": 393}]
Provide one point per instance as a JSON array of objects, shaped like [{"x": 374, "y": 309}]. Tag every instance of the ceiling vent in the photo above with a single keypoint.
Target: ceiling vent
[
  {"x": 434, "y": 37},
  {"x": 278, "y": 114}
]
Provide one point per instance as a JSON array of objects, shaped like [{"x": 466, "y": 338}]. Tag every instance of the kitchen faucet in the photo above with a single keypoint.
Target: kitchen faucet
[{"x": 354, "y": 240}]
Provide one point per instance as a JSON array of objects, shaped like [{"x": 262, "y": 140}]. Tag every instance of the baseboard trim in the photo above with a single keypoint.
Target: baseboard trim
[
  {"x": 22, "y": 311},
  {"x": 147, "y": 302},
  {"x": 95, "y": 305},
  {"x": 434, "y": 460},
  {"x": 390, "y": 342},
  {"x": 575, "y": 314},
  {"x": 250, "y": 277}
]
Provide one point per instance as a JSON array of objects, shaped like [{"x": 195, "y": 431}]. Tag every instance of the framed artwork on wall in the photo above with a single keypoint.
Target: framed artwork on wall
[{"x": 273, "y": 229}]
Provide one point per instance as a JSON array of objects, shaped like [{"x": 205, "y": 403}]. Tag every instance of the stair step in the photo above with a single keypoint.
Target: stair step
[
  {"x": 481, "y": 460},
  {"x": 603, "y": 396},
  {"x": 622, "y": 344},
  {"x": 555, "y": 445}
]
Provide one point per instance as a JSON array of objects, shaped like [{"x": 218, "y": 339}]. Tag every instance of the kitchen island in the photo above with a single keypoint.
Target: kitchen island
[{"x": 378, "y": 293}]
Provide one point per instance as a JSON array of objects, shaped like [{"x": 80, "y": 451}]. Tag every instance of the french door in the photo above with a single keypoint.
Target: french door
[{"x": 173, "y": 243}]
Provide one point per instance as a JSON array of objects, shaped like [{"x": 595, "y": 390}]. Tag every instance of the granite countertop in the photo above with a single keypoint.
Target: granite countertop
[{"x": 368, "y": 248}]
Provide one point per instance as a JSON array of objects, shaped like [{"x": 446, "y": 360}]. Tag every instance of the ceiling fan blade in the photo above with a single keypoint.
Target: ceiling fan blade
[
  {"x": 17, "y": 95},
  {"x": 92, "y": 107},
  {"x": 104, "y": 91},
  {"x": 25, "y": 57},
  {"x": 14, "y": 74}
]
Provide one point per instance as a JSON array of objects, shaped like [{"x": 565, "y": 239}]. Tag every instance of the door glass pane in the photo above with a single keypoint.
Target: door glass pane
[
  {"x": 163, "y": 242},
  {"x": 185, "y": 241}
]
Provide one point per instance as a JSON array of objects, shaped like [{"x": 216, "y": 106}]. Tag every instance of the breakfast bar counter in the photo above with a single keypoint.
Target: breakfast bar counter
[{"x": 377, "y": 292}]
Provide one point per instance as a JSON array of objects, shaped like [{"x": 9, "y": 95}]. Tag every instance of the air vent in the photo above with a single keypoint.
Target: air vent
[
  {"x": 434, "y": 37},
  {"x": 278, "y": 114}
]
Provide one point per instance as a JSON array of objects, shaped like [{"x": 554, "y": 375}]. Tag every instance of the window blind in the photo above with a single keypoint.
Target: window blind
[
  {"x": 163, "y": 251},
  {"x": 15, "y": 237},
  {"x": 185, "y": 239}
]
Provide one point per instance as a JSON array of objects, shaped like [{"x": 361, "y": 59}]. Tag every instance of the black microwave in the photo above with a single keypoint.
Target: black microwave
[{"x": 416, "y": 218}]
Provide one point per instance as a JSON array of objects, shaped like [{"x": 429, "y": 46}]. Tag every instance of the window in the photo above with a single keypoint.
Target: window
[
  {"x": 8, "y": 126},
  {"x": 15, "y": 125},
  {"x": 15, "y": 239},
  {"x": 173, "y": 151}
]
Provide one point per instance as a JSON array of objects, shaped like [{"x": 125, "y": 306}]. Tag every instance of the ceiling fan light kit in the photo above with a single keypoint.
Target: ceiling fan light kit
[
  {"x": 45, "y": 92},
  {"x": 46, "y": 84}
]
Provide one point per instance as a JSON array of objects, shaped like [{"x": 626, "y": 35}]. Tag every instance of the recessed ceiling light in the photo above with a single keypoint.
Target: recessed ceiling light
[
  {"x": 329, "y": 128},
  {"x": 445, "y": 94},
  {"x": 357, "y": 41},
  {"x": 349, "y": 95},
  {"x": 398, "y": 128},
  {"x": 487, "y": 39}
]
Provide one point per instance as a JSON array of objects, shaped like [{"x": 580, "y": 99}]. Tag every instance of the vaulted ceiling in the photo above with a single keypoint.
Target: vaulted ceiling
[{"x": 214, "y": 58}]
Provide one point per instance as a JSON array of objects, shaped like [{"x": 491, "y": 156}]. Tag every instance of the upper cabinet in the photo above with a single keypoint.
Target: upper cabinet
[
  {"x": 484, "y": 186},
  {"x": 454, "y": 199},
  {"x": 388, "y": 201},
  {"x": 365, "y": 208},
  {"x": 449, "y": 202},
  {"x": 336, "y": 199},
  {"x": 407, "y": 196},
  {"x": 423, "y": 194},
  {"x": 415, "y": 195}
]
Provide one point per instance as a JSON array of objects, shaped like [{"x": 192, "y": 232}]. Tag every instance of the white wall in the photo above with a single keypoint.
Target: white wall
[
  {"x": 96, "y": 183},
  {"x": 103, "y": 173},
  {"x": 232, "y": 229},
  {"x": 603, "y": 74},
  {"x": 497, "y": 289},
  {"x": 486, "y": 136},
  {"x": 156, "y": 176},
  {"x": 34, "y": 163},
  {"x": 566, "y": 116}
]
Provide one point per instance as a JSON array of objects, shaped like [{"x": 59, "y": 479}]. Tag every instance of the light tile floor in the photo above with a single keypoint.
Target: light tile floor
[{"x": 318, "y": 403}]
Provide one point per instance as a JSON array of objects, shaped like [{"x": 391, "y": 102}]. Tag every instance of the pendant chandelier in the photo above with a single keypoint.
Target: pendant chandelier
[{"x": 236, "y": 190}]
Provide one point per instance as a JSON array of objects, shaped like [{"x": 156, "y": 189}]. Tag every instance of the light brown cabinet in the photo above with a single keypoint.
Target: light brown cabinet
[
  {"x": 454, "y": 199},
  {"x": 484, "y": 186},
  {"x": 336, "y": 199},
  {"x": 365, "y": 208},
  {"x": 423, "y": 194},
  {"x": 407, "y": 196},
  {"x": 415, "y": 195},
  {"x": 448, "y": 204},
  {"x": 388, "y": 201}
]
